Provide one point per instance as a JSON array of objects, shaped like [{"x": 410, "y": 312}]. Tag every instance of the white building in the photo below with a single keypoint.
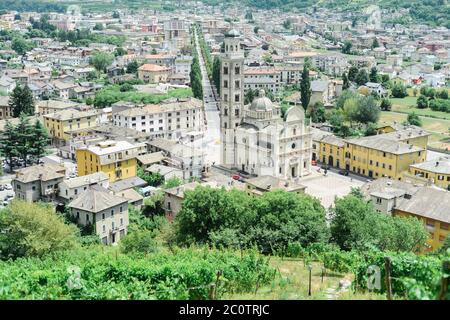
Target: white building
[
  {"x": 255, "y": 138},
  {"x": 166, "y": 120}
]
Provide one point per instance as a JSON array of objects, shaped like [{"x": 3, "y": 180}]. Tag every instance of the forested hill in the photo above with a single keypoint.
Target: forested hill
[{"x": 431, "y": 12}]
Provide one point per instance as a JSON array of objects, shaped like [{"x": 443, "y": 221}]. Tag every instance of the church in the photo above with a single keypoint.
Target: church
[{"x": 256, "y": 138}]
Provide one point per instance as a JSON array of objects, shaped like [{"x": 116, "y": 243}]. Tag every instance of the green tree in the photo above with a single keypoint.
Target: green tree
[
  {"x": 30, "y": 229},
  {"x": 385, "y": 104},
  {"x": 21, "y": 45},
  {"x": 120, "y": 52},
  {"x": 98, "y": 26},
  {"x": 352, "y": 72},
  {"x": 399, "y": 91},
  {"x": 347, "y": 47},
  {"x": 422, "y": 102},
  {"x": 250, "y": 96},
  {"x": 39, "y": 142},
  {"x": 317, "y": 112},
  {"x": 346, "y": 83},
  {"x": 172, "y": 183},
  {"x": 8, "y": 143},
  {"x": 305, "y": 87},
  {"x": 132, "y": 67},
  {"x": 25, "y": 138},
  {"x": 414, "y": 120},
  {"x": 101, "y": 60},
  {"x": 196, "y": 79},
  {"x": 154, "y": 180},
  {"x": 373, "y": 76},
  {"x": 362, "y": 77},
  {"x": 375, "y": 43},
  {"x": 368, "y": 110},
  {"x": 21, "y": 101},
  {"x": 138, "y": 241},
  {"x": 443, "y": 94},
  {"x": 216, "y": 73}
]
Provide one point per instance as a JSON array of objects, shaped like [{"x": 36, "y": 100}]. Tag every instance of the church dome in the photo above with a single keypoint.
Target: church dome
[
  {"x": 261, "y": 103},
  {"x": 233, "y": 33}
]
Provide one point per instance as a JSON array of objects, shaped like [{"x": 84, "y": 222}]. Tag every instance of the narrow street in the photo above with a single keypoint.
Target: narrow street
[{"x": 210, "y": 143}]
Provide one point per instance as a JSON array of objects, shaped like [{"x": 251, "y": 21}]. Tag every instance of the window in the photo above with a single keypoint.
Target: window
[
  {"x": 236, "y": 98},
  {"x": 379, "y": 200},
  {"x": 121, "y": 221},
  {"x": 237, "y": 70},
  {"x": 225, "y": 70},
  {"x": 87, "y": 217},
  {"x": 103, "y": 216},
  {"x": 112, "y": 212},
  {"x": 225, "y": 83},
  {"x": 104, "y": 229},
  {"x": 120, "y": 209},
  {"x": 237, "y": 84}
]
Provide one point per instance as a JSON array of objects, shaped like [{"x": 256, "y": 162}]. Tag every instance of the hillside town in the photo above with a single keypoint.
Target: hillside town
[{"x": 105, "y": 114}]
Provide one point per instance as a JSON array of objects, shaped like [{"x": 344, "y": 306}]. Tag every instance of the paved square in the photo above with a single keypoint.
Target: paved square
[{"x": 326, "y": 188}]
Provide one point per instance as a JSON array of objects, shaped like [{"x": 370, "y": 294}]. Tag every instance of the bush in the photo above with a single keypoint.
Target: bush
[
  {"x": 29, "y": 230},
  {"x": 138, "y": 241},
  {"x": 399, "y": 91}
]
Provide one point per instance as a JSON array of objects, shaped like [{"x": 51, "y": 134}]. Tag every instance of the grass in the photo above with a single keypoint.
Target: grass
[
  {"x": 292, "y": 283},
  {"x": 408, "y": 105}
]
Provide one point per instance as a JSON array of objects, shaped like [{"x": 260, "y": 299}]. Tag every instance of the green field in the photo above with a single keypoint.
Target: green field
[{"x": 408, "y": 105}]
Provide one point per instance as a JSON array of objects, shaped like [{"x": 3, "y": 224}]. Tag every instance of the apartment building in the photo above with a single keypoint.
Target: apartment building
[
  {"x": 107, "y": 212},
  {"x": 64, "y": 124},
  {"x": 436, "y": 171},
  {"x": 117, "y": 159},
  {"x": 70, "y": 189},
  {"x": 152, "y": 73},
  {"x": 268, "y": 79},
  {"x": 374, "y": 156},
  {"x": 165, "y": 120},
  {"x": 38, "y": 182}
]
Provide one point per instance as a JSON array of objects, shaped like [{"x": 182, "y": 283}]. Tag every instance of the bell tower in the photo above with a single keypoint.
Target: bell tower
[{"x": 231, "y": 95}]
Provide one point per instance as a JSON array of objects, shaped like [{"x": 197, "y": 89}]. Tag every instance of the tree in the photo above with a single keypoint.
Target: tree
[
  {"x": 21, "y": 46},
  {"x": 39, "y": 142},
  {"x": 25, "y": 138},
  {"x": 362, "y": 77},
  {"x": 385, "y": 104},
  {"x": 196, "y": 79},
  {"x": 414, "y": 120},
  {"x": 415, "y": 92},
  {"x": 287, "y": 24},
  {"x": 375, "y": 43},
  {"x": 422, "y": 102},
  {"x": 21, "y": 101},
  {"x": 138, "y": 241},
  {"x": 356, "y": 225},
  {"x": 368, "y": 110},
  {"x": 305, "y": 87},
  {"x": 154, "y": 179},
  {"x": 98, "y": 26},
  {"x": 399, "y": 91},
  {"x": 101, "y": 60},
  {"x": 352, "y": 72},
  {"x": 116, "y": 15},
  {"x": 132, "y": 67},
  {"x": 120, "y": 52},
  {"x": 317, "y": 112},
  {"x": 347, "y": 47},
  {"x": 373, "y": 76},
  {"x": 172, "y": 183},
  {"x": 8, "y": 143},
  {"x": 443, "y": 94},
  {"x": 30, "y": 229},
  {"x": 256, "y": 29},
  {"x": 345, "y": 82},
  {"x": 216, "y": 73},
  {"x": 250, "y": 96}
]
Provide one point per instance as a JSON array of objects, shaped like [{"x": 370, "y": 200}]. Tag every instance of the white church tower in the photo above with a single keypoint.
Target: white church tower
[{"x": 232, "y": 95}]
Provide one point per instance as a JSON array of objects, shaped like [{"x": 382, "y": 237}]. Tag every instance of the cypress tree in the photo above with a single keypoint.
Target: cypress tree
[{"x": 305, "y": 87}]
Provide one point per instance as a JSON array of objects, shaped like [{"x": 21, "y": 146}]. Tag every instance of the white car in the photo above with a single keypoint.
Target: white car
[{"x": 8, "y": 187}]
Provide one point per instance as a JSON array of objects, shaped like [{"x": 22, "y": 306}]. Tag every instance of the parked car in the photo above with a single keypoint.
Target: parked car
[
  {"x": 343, "y": 172},
  {"x": 8, "y": 187},
  {"x": 2, "y": 187}
]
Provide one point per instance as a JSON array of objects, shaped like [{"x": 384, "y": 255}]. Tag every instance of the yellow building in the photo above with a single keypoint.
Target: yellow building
[
  {"x": 432, "y": 206},
  {"x": 437, "y": 171},
  {"x": 405, "y": 133},
  {"x": 152, "y": 73},
  {"x": 64, "y": 124},
  {"x": 332, "y": 150},
  {"x": 117, "y": 159},
  {"x": 374, "y": 156}
]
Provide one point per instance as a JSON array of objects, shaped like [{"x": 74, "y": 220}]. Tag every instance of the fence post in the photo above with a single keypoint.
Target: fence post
[
  {"x": 387, "y": 269},
  {"x": 444, "y": 280},
  {"x": 213, "y": 290}
]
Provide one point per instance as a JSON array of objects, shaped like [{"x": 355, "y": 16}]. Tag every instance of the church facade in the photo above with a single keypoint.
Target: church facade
[{"x": 256, "y": 138}]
